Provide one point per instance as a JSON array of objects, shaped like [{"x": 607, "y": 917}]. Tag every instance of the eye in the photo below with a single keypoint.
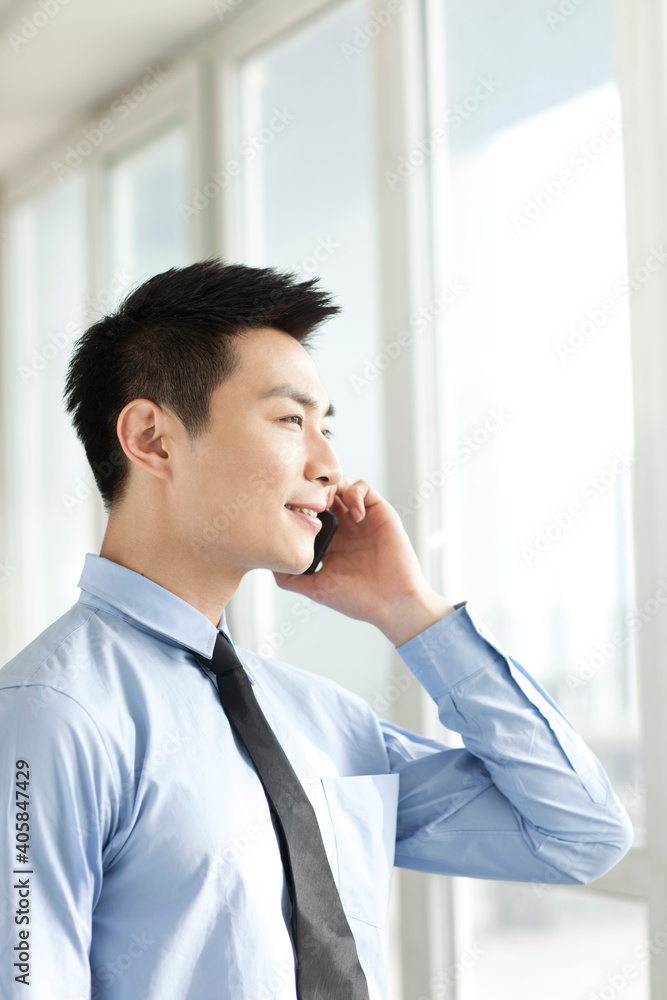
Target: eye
[{"x": 297, "y": 416}]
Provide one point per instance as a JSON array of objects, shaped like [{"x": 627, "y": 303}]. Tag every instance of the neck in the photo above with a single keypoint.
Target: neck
[{"x": 163, "y": 556}]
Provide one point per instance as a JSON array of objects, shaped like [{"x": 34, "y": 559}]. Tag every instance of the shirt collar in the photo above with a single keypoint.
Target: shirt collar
[{"x": 128, "y": 594}]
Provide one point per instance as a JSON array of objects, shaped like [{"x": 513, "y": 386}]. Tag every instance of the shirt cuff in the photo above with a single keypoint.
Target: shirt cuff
[{"x": 462, "y": 631}]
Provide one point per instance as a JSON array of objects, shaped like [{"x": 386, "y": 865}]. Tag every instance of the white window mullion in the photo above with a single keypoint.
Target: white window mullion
[
  {"x": 427, "y": 928},
  {"x": 640, "y": 37}
]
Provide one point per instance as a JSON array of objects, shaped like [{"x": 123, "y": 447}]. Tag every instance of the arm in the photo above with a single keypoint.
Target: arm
[
  {"x": 525, "y": 800},
  {"x": 61, "y": 801}
]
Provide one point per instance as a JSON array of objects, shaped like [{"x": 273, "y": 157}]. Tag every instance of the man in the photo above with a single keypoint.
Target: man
[{"x": 145, "y": 854}]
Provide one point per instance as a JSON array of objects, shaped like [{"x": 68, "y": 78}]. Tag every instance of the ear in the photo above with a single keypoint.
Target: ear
[{"x": 144, "y": 430}]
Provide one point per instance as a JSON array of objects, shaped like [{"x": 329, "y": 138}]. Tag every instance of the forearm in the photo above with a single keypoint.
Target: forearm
[{"x": 560, "y": 794}]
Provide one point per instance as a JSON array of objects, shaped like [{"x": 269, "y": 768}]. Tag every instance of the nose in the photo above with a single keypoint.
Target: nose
[{"x": 323, "y": 465}]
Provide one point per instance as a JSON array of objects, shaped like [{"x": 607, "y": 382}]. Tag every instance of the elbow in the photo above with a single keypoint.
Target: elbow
[
  {"x": 594, "y": 859},
  {"x": 613, "y": 850},
  {"x": 626, "y": 832},
  {"x": 592, "y": 854}
]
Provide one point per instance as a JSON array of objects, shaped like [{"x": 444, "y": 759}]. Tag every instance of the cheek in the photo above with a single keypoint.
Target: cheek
[
  {"x": 242, "y": 473},
  {"x": 267, "y": 465}
]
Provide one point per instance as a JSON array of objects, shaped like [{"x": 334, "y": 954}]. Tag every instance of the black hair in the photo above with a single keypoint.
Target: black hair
[{"x": 171, "y": 341}]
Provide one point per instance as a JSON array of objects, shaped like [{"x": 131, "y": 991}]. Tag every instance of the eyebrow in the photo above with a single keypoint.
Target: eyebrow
[{"x": 299, "y": 396}]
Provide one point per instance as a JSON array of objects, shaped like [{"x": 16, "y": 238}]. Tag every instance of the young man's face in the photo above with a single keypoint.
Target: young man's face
[{"x": 260, "y": 454}]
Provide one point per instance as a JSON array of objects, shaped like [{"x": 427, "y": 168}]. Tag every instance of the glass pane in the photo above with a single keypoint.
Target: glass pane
[
  {"x": 521, "y": 942},
  {"x": 145, "y": 189},
  {"x": 309, "y": 207},
  {"x": 537, "y": 376},
  {"x": 50, "y": 488}
]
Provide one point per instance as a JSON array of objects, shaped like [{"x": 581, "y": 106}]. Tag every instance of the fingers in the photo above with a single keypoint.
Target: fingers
[{"x": 356, "y": 496}]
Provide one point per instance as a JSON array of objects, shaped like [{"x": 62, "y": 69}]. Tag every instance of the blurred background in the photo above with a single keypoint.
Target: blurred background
[{"x": 481, "y": 187}]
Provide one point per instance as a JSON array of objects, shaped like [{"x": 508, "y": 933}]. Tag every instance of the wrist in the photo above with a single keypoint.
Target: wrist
[{"x": 413, "y": 614}]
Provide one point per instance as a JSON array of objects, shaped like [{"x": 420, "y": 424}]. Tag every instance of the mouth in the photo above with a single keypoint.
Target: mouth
[{"x": 307, "y": 515}]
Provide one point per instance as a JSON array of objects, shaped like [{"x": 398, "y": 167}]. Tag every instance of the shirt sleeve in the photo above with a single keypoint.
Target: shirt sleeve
[
  {"x": 525, "y": 799},
  {"x": 58, "y": 804}
]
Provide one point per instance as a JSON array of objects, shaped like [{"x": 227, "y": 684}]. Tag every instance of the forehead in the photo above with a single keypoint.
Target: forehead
[
  {"x": 270, "y": 361},
  {"x": 272, "y": 351}
]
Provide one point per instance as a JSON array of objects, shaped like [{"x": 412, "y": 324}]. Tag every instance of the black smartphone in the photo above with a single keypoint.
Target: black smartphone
[{"x": 322, "y": 538}]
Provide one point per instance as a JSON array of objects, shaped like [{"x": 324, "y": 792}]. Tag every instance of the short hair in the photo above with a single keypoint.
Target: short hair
[{"x": 171, "y": 341}]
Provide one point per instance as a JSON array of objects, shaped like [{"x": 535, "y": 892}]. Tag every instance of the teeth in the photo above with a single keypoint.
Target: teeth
[{"x": 304, "y": 510}]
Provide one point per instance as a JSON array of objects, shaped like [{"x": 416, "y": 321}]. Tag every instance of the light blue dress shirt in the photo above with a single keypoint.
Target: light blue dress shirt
[{"x": 138, "y": 857}]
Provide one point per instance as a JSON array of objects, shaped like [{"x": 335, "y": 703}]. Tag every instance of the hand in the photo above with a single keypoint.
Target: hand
[{"x": 370, "y": 570}]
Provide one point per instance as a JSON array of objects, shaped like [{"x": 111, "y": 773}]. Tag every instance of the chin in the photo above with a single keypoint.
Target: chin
[{"x": 283, "y": 562}]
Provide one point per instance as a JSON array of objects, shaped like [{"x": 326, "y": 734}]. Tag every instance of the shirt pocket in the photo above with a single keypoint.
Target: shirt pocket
[{"x": 363, "y": 811}]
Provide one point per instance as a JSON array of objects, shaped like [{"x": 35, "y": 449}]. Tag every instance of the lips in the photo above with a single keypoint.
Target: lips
[
  {"x": 310, "y": 519},
  {"x": 303, "y": 508},
  {"x": 308, "y": 505}
]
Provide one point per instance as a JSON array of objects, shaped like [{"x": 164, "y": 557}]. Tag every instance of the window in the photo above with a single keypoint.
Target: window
[
  {"x": 49, "y": 512},
  {"x": 309, "y": 207},
  {"x": 145, "y": 188},
  {"x": 538, "y": 448}
]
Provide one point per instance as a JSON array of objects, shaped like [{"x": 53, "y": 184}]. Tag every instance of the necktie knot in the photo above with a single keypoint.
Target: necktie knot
[{"x": 224, "y": 658}]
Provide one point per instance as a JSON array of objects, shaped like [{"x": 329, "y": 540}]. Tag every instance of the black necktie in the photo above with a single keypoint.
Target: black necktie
[{"x": 327, "y": 964}]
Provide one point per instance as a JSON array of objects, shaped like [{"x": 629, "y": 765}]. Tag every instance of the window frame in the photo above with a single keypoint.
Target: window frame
[{"x": 639, "y": 34}]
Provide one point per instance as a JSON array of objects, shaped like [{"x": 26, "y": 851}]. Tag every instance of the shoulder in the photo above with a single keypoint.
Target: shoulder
[
  {"x": 41, "y": 715},
  {"x": 70, "y": 671},
  {"x": 49, "y": 652}
]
